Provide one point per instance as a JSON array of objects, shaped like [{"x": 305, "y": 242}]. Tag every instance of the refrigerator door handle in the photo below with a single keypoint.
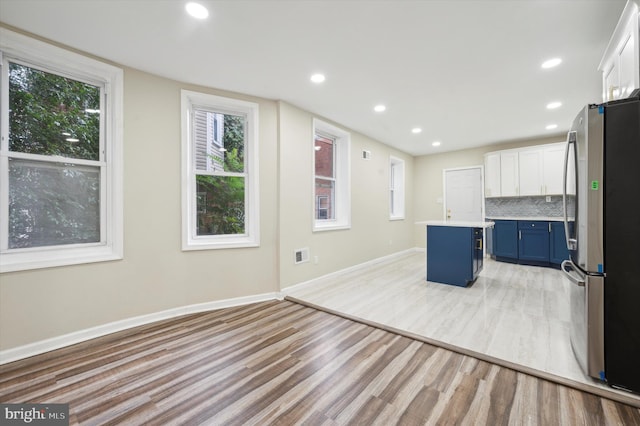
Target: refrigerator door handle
[
  {"x": 571, "y": 140},
  {"x": 568, "y": 268}
]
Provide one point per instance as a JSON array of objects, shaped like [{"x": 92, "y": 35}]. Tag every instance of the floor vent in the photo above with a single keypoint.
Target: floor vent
[{"x": 302, "y": 255}]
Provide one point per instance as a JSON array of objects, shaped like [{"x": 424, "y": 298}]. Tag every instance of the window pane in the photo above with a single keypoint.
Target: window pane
[
  {"x": 325, "y": 193},
  {"x": 219, "y": 141},
  {"x": 324, "y": 156},
  {"x": 220, "y": 205},
  {"x": 53, "y": 115},
  {"x": 53, "y": 204},
  {"x": 392, "y": 202}
]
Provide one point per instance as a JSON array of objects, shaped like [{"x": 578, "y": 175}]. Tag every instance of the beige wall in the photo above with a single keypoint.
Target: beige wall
[
  {"x": 372, "y": 234},
  {"x": 155, "y": 274},
  {"x": 428, "y": 185}
]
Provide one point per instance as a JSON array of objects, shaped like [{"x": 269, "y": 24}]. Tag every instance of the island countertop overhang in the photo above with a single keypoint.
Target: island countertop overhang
[{"x": 457, "y": 223}]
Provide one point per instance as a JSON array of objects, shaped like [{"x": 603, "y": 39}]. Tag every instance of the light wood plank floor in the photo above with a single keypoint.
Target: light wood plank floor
[
  {"x": 519, "y": 314},
  {"x": 283, "y": 363}
]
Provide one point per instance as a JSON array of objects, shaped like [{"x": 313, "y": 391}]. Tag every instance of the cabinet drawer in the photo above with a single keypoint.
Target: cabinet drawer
[{"x": 533, "y": 224}]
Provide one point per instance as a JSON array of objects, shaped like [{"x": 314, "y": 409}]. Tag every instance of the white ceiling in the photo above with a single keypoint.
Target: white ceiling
[{"x": 467, "y": 72}]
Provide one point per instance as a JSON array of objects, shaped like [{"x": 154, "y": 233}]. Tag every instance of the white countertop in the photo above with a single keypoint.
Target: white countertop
[
  {"x": 544, "y": 218},
  {"x": 463, "y": 224}
]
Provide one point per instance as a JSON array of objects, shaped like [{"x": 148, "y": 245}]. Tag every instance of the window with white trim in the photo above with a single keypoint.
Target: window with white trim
[
  {"x": 60, "y": 157},
  {"x": 220, "y": 172},
  {"x": 396, "y": 188},
  {"x": 331, "y": 182}
]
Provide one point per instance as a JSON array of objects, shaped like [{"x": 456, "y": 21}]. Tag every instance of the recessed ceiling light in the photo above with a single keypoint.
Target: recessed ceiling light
[
  {"x": 554, "y": 105},
  {"x": 379, "y": 108},
  {"x": 551, "y": 63},
  {"x": 318, "y": 78},
  {"x": 551, "y": 126},
  {"x": 197, "y": 10},
  {"x": 436, "y": 143},
  {"x": 416, "y": 130}
]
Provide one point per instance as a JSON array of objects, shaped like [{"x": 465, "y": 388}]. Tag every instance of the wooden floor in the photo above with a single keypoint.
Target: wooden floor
[{"x": 283, "y": 363}]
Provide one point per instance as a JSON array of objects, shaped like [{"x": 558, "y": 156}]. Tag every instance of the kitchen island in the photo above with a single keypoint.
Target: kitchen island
[{"x": 454, "y": 251}]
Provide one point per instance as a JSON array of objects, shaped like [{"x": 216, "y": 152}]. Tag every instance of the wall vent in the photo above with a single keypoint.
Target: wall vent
[
  {"x": 366, "y": 154},
  {"x": 301, "y": 255}
]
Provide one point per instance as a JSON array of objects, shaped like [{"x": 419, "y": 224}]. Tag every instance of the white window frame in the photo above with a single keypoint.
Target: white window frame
[
  {"x": 19, "y": 48},
  {"x": 396, "y": 188},
  {"x": 342, "y": 201},
  {"x": 251, "y": 238}
]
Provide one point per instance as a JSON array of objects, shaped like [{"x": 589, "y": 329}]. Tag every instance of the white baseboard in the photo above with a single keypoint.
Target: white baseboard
[
  {"x": 42, "y": 346},
  {"x": 369, "y": 263}
]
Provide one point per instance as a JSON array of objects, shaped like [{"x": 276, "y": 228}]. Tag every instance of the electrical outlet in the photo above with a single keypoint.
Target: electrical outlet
[{"x": 548, "y": 198}]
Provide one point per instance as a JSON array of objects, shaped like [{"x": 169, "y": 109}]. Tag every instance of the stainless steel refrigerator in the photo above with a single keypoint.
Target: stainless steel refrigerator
[{"x": 602, "y": 223}]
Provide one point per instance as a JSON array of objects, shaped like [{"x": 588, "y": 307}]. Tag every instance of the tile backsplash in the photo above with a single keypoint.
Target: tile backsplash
[{"x": 526, "y": 206}]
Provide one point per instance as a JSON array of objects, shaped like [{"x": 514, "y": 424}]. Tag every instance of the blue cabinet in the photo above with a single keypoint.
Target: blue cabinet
[
  {"x": 533, "y": 241},
  {"x": 529, "y": 242},
  {"x": 454, "y": 254},
  {"x": 505, "y": 240},
  {"x": 558, "y": 251}
]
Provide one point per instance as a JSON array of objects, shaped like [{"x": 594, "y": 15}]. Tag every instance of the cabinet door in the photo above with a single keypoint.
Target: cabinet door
[
  {"x": 509, "y": 174},
  {"x": 553, "y": 169},
  {"x": 557, "y": 243},
  {"x": 620, "y": 64},
  {"x": 612, "y": 82},
  {"x": 530, "y": 167},
  {"x": 533, "y": 241},
  {"x": 492, "y": 175},
  {"x": 628, "y": 67},
  {"x": 505, "y": 239}
]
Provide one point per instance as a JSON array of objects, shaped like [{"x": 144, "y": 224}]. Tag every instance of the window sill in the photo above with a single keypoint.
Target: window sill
[
  {"x": 331, "y": 227},
  {"x": 23, "y": 261},
  {"x": 396, "y": 218},
  {"x": 219, "y": 245}
]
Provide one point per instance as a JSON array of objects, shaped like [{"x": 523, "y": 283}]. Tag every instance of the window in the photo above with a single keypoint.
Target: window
[
  {"x": 396, "y": 188},
  {"x": 220, "y": 156},
  {"x": 60, "y": 157},
  {"x": 332, "y": 209}
]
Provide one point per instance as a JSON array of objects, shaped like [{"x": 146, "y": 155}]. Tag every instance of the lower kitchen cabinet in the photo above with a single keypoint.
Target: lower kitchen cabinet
[
  {"x": 539, "y": 243},
  {"x": 505, "y": 240},
  {"x": 533, "y": 241},
  {"x": 558, "y": 251},
  {"x": 454, "y": 254}
]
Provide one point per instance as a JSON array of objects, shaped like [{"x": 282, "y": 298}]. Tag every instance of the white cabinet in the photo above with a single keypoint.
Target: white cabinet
[
  {"x": 529, "y": 171},
  {"x": 509, "y": 174},
  {"x": 530, "y": 176},
  {"x": 620, "y": 65},
  {"x": 492, "y": 175},
  {"x": 553, "y": 169}
]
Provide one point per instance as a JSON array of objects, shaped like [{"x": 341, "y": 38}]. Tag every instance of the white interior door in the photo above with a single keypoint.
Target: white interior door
[{"x": 463, "y": 198}]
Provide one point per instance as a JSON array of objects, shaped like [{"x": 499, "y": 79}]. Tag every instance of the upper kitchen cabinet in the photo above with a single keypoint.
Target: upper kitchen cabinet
[
  {"x": 530, "y": 171},
  {"x": 620, "y": 65},
  {"x": 530, "y": 176},
  {"x": 492, "y": 175},
  {"x": 553, "y": 170},
  {"x": 501, "y": 174},
  {"x": 509, "y": 173}
]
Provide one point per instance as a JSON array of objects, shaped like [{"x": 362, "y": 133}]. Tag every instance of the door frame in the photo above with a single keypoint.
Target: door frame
[{"x": 444, "y": 189}]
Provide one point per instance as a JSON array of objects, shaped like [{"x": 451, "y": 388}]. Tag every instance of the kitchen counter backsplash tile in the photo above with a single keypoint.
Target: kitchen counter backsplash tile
[{"x": 526, "y": 206}]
